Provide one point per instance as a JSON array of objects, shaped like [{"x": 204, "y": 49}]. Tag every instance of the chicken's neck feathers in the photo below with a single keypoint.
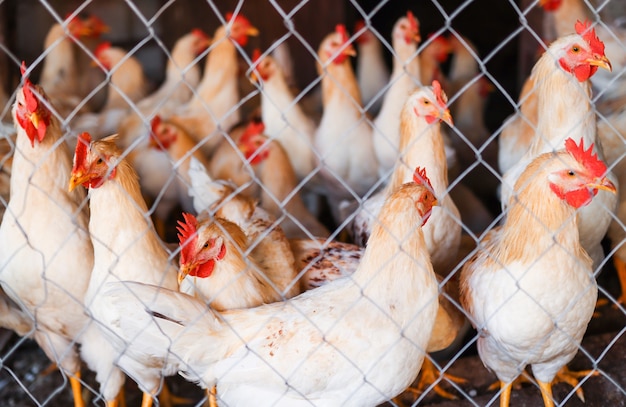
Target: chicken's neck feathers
[
  {"x": 564, "y": 105},
  {"x": 59, "y": 69},
  {"x": 220, "y": 73},
  {"x": 421, "y": 144},
  {"x": 339, "y": 84}
]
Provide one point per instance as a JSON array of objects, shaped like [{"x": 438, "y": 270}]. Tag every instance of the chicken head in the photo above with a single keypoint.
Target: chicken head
[
  {"x": 584, "y": 54},
  {"x": 29, "y": 112},
  {"x": 241, "y": 28},
  {"x": 336, "y": 47},
  {"x": 253, "y": 144},
  {"x": 94, "y": 163},
  {"x": 205, "y": 244},
  {"x": 430, "y": 103}
]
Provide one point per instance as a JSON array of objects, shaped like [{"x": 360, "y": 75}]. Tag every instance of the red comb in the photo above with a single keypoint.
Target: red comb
[
  {"x": 341, "y": 29},
  {"x": 255, "y": 127},
  {"x": 420, "y": 178},
  {"x": 200, "y": 34},
  {"x": 586, "y": 157},
  {"x": 239, "y": 18},
  {"x": 187, "y": 236},
  {"x": 31, "y": 100},
  {"x": 101, "y": 48},
  {"x": 82, "y": 149},
  {"x": 359, "y": 25},
  {"x": 412, "y": 21},
  {"x": 589, "y": 34},
  {"x": 256, "y": 55},
  {"x": 439, "y": 94},
  {"x": 155, "y": 123}
]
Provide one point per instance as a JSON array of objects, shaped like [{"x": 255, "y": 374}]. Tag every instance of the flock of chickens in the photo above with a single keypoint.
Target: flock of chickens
[{"x": 268, "y": 300}]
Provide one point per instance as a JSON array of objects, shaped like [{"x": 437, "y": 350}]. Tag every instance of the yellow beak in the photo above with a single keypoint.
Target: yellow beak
[
  {"x": 76, "y": 180},
  {"x": 252, "y": 31},
  {"x": 601, "y": 62},
  {"x": 445, "y": 116},
  {"x": 350, "y": 51},
  {"x": 605, "y": 184},
  {"x": 184, "y": 271},
  {"x": 34, "y": 118}
]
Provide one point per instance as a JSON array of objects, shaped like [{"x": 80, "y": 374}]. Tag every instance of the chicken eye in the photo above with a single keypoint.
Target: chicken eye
[
  {"x": 100, "y": 161},
  {"x": 571, "y": 173},
  {"x": 575, "y": 49},
  {"x": 206, "y": 245},
  {"x": 426, "y": 101}
]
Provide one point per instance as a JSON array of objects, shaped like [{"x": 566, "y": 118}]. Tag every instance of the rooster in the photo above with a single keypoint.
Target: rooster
[
  {"x": 567, "y": 66},
  {"x": 371, "y": 69},
  {"x": 336, "y": 345},
  {"x": 404, "y": 79},
  {"x": 46, "y": 255},
  {"x": 347, "y": 161},
  {"x": 126, "y": 247},
  {"x": 530, "y": 288}
]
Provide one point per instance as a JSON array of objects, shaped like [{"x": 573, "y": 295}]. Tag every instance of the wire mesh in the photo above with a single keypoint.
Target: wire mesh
[{"x": 291, "y": 204}]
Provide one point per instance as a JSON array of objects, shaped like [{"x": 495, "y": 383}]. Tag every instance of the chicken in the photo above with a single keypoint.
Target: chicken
[
  {"x": 127, "y": 85},
  {"x": 565, "y": 13},
  {"x": 470, "y": 138},
  {"x": 211, "y": 111},
  {"x": 279, "y": 192},
  {"x": 372, "y": 71},
  {"x": 126, "y": 248},
  {"x": 432, "y": 56},
  {"x": 59, "y": 75},
  {"x": 269, "y": 247},
  {"x": 564, "y": 110},
  {"x": 347, "y": 162},
  {"x": 214, "y": 106},
  {"x": 404, "y": 80},
  {"x": 530, "y": 288},
  {"x": 46, "y": 255},
  {"x": 179, "y": 147},
  {"x": 283, "y": 117},
  {"x": 182, "y": 75},
  {"x": 216, "y": 265},
  {"x": 356, "y": 341},
  {"x": 421, "y": 143}
]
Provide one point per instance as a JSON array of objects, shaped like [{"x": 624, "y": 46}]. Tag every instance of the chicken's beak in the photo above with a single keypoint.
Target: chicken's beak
[
  {"x": 605, "y": 184},
  {"x": 445, "y": 116},
  {"x": 184, "y": 271},
  {"x": 34, "y": 119},
  {"x": 601, "y": 62},
  {"x": 349, "y": 50},
  {"x": 77, "y": 179},
  {"x": 252, "y": 31},
  {"x": 254, "y": 77}
]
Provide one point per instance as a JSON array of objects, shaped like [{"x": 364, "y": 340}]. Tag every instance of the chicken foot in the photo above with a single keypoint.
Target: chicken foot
[
  {"x": 572, "y": 378},
  {"x": 429, "y": 375},
  {"x": 77, "y": 390},
  {"x": 168, "y": 399}
]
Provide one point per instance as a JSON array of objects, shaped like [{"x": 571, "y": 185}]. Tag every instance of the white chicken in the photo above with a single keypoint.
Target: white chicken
[
  {"x": 405, "y": 77},
  {"x": 356, "y": 341},
  {"x": 126, "y": 247},
  {"x": 567, "y": 66},
  {"x": 46, "y": 255},
  {"x": 347, "y": 162},
  {"x": 421, "y": 143},
  {"x": 530, "y": 288},
  {"x": 372, "y": 72}
]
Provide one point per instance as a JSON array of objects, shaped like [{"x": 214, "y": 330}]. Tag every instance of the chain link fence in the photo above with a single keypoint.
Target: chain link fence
[{"x": 196, "y": 145}]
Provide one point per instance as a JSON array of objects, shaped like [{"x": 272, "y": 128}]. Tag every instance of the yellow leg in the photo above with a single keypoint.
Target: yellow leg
[
  {"x": 505, "y": 396},
  {"x": 567, "y": 376},
  {"x": 212, "y": 393},
  {"x": 77, "y": 390},
  {"x": 620, "y": 267},
  {"x": 515, "y": 384},
  {"x": 429, "y": 374},
  {"x": 167, "y": 399},
  {"x": 146, "y": 400},
  {"x": 113, "y": 403},
  {"x": 546, "y": 393}
]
